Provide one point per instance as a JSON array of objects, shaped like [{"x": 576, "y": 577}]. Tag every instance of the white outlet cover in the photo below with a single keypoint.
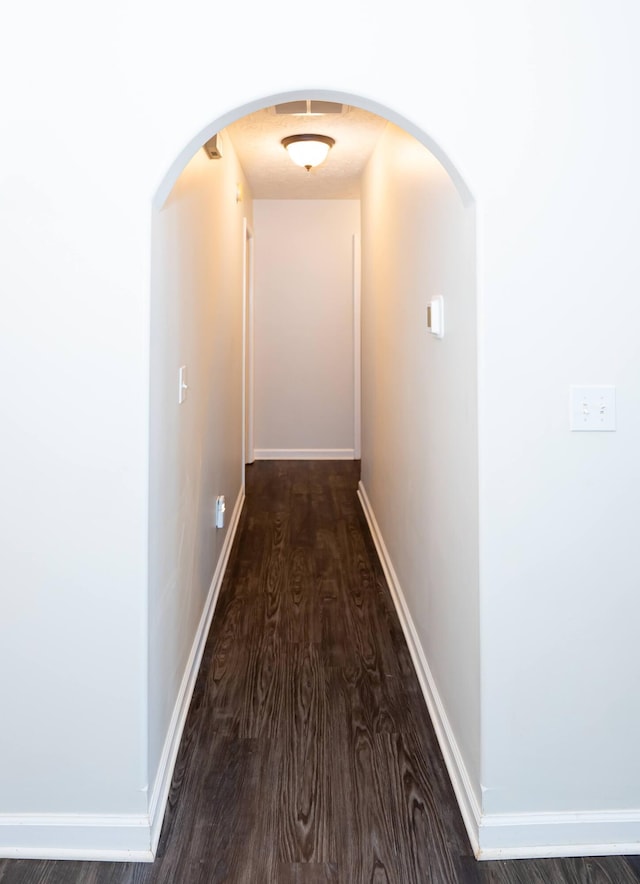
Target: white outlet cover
[
  {"x": 220, "y": 511},
  {"x": 592, "y": 409}
]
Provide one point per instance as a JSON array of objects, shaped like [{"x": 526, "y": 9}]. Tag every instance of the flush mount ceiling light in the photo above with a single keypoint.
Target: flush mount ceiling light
[{"x": 308, "y": 150}]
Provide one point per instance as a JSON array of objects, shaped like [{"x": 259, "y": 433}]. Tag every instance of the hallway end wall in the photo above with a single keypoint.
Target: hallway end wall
[
  {"x": 419, "y": 420},
  {"x": 196, "y": 446},
  {"x": 304, "y": 328}
]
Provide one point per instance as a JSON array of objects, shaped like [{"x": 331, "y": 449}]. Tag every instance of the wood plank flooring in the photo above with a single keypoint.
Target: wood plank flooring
[{"x": 308, "y": 754}]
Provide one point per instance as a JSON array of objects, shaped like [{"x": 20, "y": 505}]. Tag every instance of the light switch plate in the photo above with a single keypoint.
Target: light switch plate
[
  {"x": 182, "y": 384},
  {"x": 592, "y": 409}
]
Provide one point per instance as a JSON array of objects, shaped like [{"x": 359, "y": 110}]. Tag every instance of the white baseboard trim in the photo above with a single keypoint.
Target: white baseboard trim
[
  {"x": 465, "y": 795},
  {"x": 162, "y": 784},
  {"x": 304, "y": 454},
  {"x": 59, "y": 836},
  {"x": 504, "y": 836},
  {"x": 579, "y": 833}
]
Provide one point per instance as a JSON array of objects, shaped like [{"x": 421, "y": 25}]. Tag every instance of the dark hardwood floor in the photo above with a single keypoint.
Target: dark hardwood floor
[{"x": 308, "y": 754}]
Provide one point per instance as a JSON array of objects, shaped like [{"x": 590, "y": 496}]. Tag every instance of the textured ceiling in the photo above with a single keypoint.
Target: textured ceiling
[{"x": 271, "y": 173}]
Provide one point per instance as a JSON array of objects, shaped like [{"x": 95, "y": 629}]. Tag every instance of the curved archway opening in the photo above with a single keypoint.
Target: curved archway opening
[
  {"x": 410, "y": 241},
  {"x": 367, "y": 104}
]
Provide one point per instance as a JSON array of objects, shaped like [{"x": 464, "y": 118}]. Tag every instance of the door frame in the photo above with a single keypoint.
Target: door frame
[
  {"x": 248, "y": 455},
  {"x": 357, "y": 347}
]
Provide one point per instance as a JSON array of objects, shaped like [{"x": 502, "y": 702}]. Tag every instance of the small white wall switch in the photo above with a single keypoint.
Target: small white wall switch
[
  {"x": 182, "y": 384},
  {"x": 435, "y": 317},
  {"x": 220, "y": 508},
  {"x": 592, "y": 409}
]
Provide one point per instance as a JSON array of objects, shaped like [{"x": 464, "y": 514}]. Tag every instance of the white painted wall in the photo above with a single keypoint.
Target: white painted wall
[
  {"x": 559, "y": 561},
  {"x": 530, "y": 101},
  {"x": 195, "y": 447},
  {"x": 419, "y": 404},
  {"x": 304, "y": 322}
]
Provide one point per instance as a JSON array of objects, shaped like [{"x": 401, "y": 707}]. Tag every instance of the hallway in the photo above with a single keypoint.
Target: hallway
[{"x": 308, "y": 754}]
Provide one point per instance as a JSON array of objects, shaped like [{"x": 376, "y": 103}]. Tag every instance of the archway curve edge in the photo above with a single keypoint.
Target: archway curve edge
[{"x": 174, "y": 171}]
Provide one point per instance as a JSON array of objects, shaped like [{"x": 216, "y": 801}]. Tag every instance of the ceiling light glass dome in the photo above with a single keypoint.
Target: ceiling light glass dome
[{"x": 308, "y": 150}]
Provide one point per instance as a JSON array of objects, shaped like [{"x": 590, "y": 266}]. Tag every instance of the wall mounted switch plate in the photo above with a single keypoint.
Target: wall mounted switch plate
[
  {"x": 182, "y": 384},
  {"x": 592, "y": 409}
]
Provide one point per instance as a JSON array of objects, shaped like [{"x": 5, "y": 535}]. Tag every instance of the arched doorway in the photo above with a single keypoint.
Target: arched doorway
[{"x": 419, "y": 453}]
